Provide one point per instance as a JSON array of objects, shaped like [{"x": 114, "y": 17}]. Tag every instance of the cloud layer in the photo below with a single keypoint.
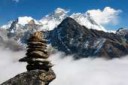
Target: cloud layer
[
  {"x": 90, "y": 71},
  {"x": 9, "y": 65},
  {"x": 69, "y": 72}
]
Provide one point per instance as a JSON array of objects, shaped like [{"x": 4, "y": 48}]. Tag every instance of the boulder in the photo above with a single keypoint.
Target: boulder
[{"x": 34, "y": 77}]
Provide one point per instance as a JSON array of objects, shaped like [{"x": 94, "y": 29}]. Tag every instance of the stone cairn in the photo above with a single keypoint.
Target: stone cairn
[{"x": 36, "y": 57}]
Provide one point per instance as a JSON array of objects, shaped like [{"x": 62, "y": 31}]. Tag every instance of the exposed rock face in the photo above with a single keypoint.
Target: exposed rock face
[
  {"x": 1, "y": 40},
  {"x": 39, "y": 68},
  {"x": 34, "y": 77},
  {"x": 123, "y": 32},
  {"x": 20, "y": 32},
  {"x": 72, "y": 38}
]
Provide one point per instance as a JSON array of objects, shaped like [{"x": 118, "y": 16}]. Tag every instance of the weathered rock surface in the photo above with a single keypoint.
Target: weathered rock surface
[{"x": 34, "y": 77}]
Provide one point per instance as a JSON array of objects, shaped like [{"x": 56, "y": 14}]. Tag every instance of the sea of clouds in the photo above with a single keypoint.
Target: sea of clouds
[
  {"x": 9, "y": 65},
  {"x": 86, "y": 71}
]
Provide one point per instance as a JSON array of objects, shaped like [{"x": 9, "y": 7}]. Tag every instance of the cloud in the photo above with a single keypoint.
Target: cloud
[
  {"x": 89, "y": 71},
  {"x": 9, "y": 65},
  {"x": 106, "y": 16},
  {"x": 69, "y": 72},
  {"x": 16, "y": 1}
]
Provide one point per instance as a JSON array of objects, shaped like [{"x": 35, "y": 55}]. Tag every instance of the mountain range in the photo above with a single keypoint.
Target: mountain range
[{"x": 76, "y": 35}]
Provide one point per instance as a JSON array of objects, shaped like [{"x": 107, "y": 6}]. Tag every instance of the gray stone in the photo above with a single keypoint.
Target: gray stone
[{"x": 33, "y": 77}]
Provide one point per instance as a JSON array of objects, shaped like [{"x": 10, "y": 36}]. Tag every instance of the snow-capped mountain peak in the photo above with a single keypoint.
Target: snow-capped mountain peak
[
  {"x": 60, "y": 13},
  {"x": 22, "y": 21},
  {"x": 122, "y": 31},
  {"x": 87, "y": 21},
  {"x": 6, "y": 26},
  {"x": 52, "y": 20},
  {"x": 25, "y": 20}
]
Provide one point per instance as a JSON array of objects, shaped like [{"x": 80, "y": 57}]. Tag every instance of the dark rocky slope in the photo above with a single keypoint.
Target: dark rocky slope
[{"x": 72, "y": 38}]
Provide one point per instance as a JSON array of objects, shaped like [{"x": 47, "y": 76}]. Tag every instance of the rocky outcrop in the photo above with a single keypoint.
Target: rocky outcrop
[
  {"x": 34, "y": 77},
  {"x": 21, "y": 31},
  {"x": 123, "y": 32},
  {"x": 39, "y": 70}
]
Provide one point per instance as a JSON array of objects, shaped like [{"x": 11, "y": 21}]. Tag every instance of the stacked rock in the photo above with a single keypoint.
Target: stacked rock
[
  {"x": 39, "y": 68},
  {"x": 36, "y": 55}
]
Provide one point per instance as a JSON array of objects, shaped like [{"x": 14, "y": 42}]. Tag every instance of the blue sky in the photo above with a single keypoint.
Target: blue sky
[{"x": 11, "y": 9}]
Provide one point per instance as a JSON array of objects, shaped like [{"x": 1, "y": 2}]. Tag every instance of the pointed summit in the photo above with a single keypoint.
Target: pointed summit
[
  {"x": 32, "y": 22},
  {"x": 68, "y": 21}
]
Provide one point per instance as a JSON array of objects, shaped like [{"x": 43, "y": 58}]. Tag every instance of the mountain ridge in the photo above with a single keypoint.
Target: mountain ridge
[{"x": 72, "y": 38}]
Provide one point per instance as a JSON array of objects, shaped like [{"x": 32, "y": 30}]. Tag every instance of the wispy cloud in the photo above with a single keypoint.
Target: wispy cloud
[
  {"x": 106, "y": 16},
  {"x": 16, "y": 1}
]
